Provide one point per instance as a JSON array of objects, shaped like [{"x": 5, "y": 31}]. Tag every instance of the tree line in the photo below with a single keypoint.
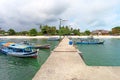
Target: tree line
[
  {"x": 43, "y": 30},
  {"x": 51, "y": 30}
]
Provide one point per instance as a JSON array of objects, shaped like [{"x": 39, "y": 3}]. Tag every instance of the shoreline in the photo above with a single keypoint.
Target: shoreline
[{"x": 45, "y": 37}]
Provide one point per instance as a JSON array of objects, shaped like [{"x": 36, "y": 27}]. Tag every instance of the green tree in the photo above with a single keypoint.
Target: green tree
[
  {"x": 64, "y": 30},
  {"x": 44, "y": 29},
  {"x": 116, "y": 30},
  {"x": 2, "y": 32},
  {"x": 49, "y": 30},
  {"x": 67, "y": 30},
  {"x": 76, "y": 32},
  {"x": 53, "y": 30},
  {"x": 11, "y": 32},
  {"x": 24, "y": 33},
  {"x": 87, "y": 32},
  {"x": 33, "y": 32}
]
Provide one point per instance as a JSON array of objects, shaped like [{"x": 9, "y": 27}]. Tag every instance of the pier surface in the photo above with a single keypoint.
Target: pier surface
[{"x": 65, "y": 63}]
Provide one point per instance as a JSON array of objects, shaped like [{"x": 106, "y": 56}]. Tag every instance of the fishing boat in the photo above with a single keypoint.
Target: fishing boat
[
  {"x": 89, "y": 40},
  {"x": 53, "y": 39},
  {"x": 18, "y": 50},
  {"x": 45, "y": 46}
]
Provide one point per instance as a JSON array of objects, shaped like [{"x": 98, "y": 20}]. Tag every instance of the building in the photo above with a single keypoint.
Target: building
[{"x": 100, "y": 32}]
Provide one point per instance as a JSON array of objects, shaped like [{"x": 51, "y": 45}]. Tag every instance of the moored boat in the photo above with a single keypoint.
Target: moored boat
[
  {"x": 53, "y": 39},
  {"x": 18, "y": 50},
  {"x": 44, "y": 46},
  {"x": 89, "y": 41}
]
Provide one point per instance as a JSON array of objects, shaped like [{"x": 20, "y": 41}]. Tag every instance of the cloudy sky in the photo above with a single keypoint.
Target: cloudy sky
[{"x": 83, "y": 14}]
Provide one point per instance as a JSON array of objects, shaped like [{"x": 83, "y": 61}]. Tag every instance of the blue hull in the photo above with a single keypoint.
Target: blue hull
[
  {"x": 20, "y": 54},
  {"x": 89, "y": 42},
  {"x": 3, "y": 52}
]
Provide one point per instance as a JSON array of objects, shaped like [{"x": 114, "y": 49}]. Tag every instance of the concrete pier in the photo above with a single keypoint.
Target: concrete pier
[{"x": 65, "y": 63}]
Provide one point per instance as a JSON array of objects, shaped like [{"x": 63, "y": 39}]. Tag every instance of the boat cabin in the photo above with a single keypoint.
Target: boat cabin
[{"x": 18, "y": 47}]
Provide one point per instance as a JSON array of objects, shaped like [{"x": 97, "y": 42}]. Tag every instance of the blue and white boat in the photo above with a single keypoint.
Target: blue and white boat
[
  {"x": 89, "y": 41},
  {"x": 18, "y": 50}
]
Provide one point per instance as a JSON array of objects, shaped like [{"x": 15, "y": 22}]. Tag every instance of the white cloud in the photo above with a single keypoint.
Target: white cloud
[
  {"x": 94, "y": 13},
  {"x": 83, "y": 13}
]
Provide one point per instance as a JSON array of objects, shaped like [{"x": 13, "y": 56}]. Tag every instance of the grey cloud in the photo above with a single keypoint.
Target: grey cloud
[
  {"x": 26, "y": 14},
  {"x": 2, "y": 21},
  {"x": 19, "y": 14}
]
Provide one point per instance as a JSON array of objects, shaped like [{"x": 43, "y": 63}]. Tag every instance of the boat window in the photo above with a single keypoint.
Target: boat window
[
  {"x": 27, "y": 49},
  {"x": 13, "y": 45},
  {"x": 10, "y": 48},
  {"x": 18, "y": 50}
]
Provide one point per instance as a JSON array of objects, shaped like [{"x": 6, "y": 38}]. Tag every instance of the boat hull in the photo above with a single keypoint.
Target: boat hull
[
  {"x": 19, "y": 54},
  {"x": 89, "y": 42},
  {"x": 53, "y": 39},
  {"x": 41, "y": 47}
]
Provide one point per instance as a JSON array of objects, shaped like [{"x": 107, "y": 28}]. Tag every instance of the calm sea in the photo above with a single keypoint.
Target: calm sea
[
  {"x": 107, "y": 54},
  {"x": 14, "y": 68}
]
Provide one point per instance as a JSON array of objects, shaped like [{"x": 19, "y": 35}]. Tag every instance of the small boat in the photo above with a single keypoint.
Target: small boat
[
  {"x": 89, "y": 41},
  {"x": 18, "y": 50},
  {"x": 53, "y": 39},
  {"x": 45, "y": 46}
]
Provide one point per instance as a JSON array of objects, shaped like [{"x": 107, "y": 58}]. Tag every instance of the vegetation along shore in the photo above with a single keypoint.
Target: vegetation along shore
[{"x": 46, "y": 30}]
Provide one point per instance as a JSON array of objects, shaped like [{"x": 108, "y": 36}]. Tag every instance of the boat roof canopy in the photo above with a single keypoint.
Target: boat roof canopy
[{"x": 14, "y": 45}]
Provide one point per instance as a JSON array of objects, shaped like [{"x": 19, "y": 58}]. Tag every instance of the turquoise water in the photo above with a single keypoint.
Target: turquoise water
[
  {"x": 14, "y": 68},
  {"x": 107, "y": 54}
]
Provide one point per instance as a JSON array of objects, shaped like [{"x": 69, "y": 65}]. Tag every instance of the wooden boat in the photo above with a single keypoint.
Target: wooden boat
[
  {"x": 90, "y": 41},
  {"x": 53, "y": 39},
  {"x": 45, "y": 46},
  {"x": 18, "y": 50}
]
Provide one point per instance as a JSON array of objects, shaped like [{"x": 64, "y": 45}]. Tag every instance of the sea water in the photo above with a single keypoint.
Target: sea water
[
  {"x": 14, "y": 68},
  {"x": 107, "y": 54}
]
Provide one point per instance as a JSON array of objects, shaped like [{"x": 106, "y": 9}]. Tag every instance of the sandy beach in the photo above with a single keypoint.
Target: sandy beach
[
  {"x": 45, "y": 37},
  {"x": 28, "y": 37}
]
